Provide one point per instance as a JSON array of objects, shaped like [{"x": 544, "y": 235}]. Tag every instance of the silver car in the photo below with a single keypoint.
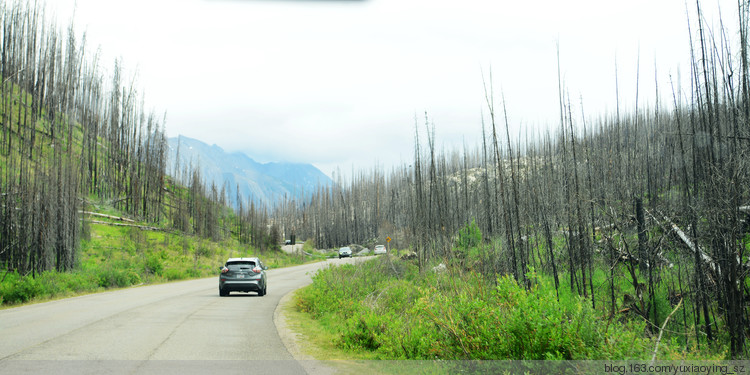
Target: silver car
[
  {"x": 243, "y": 275},
  {"x": 379, "y": 249}
]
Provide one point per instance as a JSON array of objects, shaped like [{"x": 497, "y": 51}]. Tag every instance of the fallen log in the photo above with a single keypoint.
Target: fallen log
[
  {"x": 118, "y": 218},
  {"x": 694, "y": 247},
  {"x": 144, "y": 227}
]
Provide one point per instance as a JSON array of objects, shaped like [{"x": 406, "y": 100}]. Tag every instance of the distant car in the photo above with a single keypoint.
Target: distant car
[
  {"x": 345, "y": 252},
  {"x": 379, "y": 249},
  {"x": 288, "y": 242},
  {"x": 243, "y": 275}
]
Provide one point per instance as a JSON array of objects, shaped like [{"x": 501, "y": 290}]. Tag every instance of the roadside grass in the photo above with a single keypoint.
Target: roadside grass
[{"x": 385, "y": 309}]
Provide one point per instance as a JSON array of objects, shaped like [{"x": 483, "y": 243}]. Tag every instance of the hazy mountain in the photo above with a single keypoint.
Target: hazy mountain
[{"x": 263, "y": 183}]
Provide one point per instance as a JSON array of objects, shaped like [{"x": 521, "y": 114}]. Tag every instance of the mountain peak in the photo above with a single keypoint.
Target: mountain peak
[{"x": 257, "y": 182}]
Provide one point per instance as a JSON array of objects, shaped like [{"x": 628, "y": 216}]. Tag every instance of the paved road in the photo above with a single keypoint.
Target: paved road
[{"x": 182, "y": 327}]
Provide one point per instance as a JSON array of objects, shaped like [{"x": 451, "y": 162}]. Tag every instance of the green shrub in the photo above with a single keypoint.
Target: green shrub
[
  {"x": 469, "y": 236},
  {"x": 113, "y": 277},
  {"x": 468, "y": 240},
  {"x": 533, "y": 325},
  {"x": 362, "y": 331},
  {"x": 52, "y": 283},
  {"x": 174, "y": 274},
  {"x": 192, "y": 273},
  {"x": 154, "y": 264},
  {"x": 18, "y": 289},
  {"x": 82, "y": 282}
]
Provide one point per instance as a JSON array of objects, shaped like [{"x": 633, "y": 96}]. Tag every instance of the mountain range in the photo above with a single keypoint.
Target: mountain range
[{"x": 262, "y": 183}]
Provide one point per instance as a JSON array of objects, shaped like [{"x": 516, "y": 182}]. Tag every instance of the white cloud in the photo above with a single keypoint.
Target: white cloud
[{"x": 329, "y": 82}]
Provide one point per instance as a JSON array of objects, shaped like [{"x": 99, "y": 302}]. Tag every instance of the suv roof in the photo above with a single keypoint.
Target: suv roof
[{"x": 230, "y": 260}]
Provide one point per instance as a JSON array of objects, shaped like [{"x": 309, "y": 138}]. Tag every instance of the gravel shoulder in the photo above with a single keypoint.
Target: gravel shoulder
[
  {"x": 292, "y": 340},
  {"x": 296, "y": 343}
]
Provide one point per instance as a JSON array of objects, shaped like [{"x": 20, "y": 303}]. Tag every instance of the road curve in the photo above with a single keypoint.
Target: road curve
[{"x": 182, "y": 327}]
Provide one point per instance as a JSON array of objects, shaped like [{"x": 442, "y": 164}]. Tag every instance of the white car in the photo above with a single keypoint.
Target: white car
[
  {"x": 345, "y": 252},
  {"x": 379, "y": 249}
]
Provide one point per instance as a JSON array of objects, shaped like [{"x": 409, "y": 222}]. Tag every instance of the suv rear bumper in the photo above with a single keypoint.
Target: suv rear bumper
[{"x": 241, "y": 286}]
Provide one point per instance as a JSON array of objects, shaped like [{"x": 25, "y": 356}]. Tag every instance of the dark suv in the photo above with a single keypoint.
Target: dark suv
[{"x": 243, "y": 275}]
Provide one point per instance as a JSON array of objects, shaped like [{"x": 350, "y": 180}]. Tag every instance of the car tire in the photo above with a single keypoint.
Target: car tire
[
  {"x": 223, "y": 293},
  {"x": 262, "y": 292}
]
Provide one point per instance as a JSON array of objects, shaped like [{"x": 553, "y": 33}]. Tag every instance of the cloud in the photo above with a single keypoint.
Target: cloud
[{"x": 331, "y": 82}]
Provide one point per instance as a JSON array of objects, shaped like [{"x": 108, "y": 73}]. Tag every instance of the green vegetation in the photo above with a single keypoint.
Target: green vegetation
[{"x": 386, "y": 309}]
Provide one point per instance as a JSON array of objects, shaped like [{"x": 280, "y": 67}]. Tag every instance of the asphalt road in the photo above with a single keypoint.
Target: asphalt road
[{"x": 182, "y": 327}]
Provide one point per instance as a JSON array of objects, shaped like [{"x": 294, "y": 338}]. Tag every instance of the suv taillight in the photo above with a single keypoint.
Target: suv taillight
[
  {"x": 257, "y": 269},
  {"x": 224, "y": 270}
]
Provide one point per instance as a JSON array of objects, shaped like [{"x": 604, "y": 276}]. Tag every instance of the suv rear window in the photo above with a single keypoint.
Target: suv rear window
[{"x": 236, "y": 266}]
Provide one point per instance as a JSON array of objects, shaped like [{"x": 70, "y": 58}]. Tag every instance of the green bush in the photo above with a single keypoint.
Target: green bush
[
  {"x": 468, "y": 240},
  {"x": 82, "y": 282},
  {"x": 18, "y": 289},
  {"x": 192, "y": 273},
  {"x": 113, "y": 277},
  {"x": 362, "y": 331},
  {"x": 172, "y": 274},
  {"x": 154, "y": 264},
  {"x": 469, "y": 236}
]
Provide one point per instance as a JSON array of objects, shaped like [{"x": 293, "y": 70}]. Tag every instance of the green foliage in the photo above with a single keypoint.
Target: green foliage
[
  {"x": 15, "y": 288},
  {"x": 534, "y": 325},
  {"x": 469, "y": 236},
  {"x": 175, "y": 274},
  {"x": 154, "y": 264},
  {"x": 117, "y": 277},
  {"x": 390, "y": 311}
]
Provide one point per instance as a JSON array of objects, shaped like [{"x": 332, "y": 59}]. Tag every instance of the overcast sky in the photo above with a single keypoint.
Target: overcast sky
[{"x": 339, "y": 83}]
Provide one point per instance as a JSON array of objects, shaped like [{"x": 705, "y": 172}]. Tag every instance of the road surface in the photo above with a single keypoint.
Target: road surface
[{"x": 176, "y": 328}]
